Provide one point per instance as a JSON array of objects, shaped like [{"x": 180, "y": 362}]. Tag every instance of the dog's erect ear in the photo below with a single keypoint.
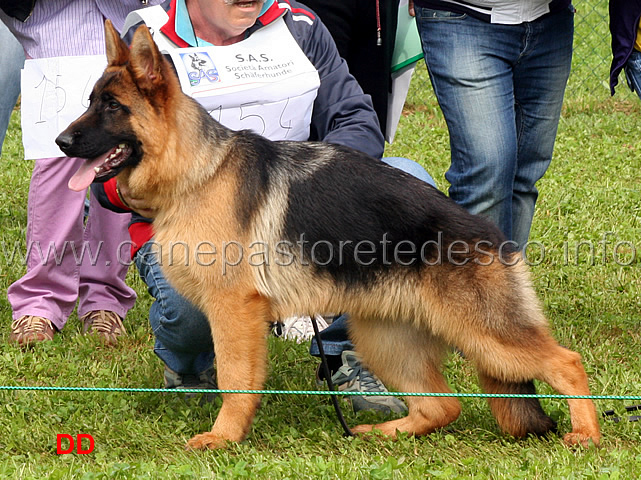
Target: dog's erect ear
[
  {"x": 117, "y": 49},
  {"x": 146, "y": 62}
]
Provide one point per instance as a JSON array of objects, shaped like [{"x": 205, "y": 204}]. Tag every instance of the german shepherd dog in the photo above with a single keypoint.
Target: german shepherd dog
[{"x": 336, "y": 231}]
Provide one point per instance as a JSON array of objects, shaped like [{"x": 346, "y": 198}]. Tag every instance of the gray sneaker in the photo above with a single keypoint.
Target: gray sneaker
[
  {"x": 204, "y": 380},
  {"x": 353, "y": 377}
]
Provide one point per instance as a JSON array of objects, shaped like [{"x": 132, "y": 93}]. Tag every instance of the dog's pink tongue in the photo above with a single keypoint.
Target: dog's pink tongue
[{"x": 85, "y": 174}]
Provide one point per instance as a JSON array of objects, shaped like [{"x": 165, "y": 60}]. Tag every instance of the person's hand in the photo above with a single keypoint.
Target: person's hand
[
  {"x": 410, "y": 8},
  {"x": 138, "y": 205}
]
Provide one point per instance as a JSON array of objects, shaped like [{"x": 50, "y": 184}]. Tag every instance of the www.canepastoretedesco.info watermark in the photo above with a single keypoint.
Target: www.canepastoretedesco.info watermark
[{"x": 228, "y": 254}]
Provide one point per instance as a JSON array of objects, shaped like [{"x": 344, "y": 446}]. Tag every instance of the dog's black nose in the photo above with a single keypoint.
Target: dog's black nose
[{"x": 64, "y": 140}]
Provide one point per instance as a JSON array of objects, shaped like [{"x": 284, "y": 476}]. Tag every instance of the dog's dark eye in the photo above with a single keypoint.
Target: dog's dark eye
[{"x": 113, "y": 105}]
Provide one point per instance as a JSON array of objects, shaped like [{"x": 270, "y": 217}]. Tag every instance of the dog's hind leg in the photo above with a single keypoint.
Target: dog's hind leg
[
  {"x": 544, "y": 360},
  {"x": 239, "y": 323},
  {"x": 507, "y": 337},
  {"x": 517, "y": 416},
  {"x": 564, "y": 372},
  {"x": 409, "y": 360}
]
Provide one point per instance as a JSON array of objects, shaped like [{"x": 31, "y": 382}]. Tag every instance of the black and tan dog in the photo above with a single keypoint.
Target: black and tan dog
[{"x": 296, "y": 228}]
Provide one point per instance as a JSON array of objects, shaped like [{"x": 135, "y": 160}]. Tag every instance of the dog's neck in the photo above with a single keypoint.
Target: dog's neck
[{"x": 165, "y": 177}]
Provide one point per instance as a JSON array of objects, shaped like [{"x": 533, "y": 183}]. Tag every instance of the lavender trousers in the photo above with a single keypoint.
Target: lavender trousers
[{"x": 69, "y": 260}]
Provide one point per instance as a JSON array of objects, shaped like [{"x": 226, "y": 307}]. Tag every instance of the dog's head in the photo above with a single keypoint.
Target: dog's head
[{"x": 124, "y": 104}]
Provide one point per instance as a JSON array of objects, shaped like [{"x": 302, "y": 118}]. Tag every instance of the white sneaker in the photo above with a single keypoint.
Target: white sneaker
[{"x": 300, "y": 329}]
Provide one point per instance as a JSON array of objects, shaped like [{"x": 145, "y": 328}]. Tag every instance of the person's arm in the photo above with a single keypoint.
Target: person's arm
[
  {"x": 342, "y": 113},
  {"x": 108, "y": 197},
  {"x": 117, "y": 198}
]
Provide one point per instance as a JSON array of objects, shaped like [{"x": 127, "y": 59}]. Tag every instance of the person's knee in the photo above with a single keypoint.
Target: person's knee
[
  {"x": 411, "y": 167},
  {"x": 179, "y": 325}
]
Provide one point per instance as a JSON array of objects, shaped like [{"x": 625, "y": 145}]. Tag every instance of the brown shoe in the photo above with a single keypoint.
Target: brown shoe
[
  {"x": 30, "y": 329},
  {"x": 107, "y": 325}
]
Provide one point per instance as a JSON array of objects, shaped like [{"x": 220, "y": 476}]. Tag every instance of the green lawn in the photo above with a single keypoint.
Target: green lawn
[{"x": 591, "y": 192}]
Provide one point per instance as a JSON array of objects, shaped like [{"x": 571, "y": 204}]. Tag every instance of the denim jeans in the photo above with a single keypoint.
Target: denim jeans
[
  {"x": 633, "y": 72},
  {"x": 182, "y": 335},
  {"x": 11, "y": 62},
  {"x": 501, "y": 89}
]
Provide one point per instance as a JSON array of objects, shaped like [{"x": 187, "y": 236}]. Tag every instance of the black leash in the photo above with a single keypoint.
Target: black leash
[{"x": 328, "y": 377}]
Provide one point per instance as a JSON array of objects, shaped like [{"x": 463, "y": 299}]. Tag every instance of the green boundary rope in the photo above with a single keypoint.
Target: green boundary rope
[{"x": 317, "y": 392}]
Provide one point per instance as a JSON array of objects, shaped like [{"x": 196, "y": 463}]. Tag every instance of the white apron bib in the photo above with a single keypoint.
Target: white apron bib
[{"x": 264, "y": 83}]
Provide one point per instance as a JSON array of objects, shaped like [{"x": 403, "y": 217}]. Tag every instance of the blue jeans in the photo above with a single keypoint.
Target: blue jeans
[
  {"x": 633, "y": 72},
  {"x": 335, "y": 337},
  {"x": 11, "y": 62},
  {"x": 182, "y": 335},
  {"x": 500, "y": 88}
]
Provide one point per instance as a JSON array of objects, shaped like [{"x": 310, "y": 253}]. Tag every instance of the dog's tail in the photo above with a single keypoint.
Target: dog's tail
[{"x": 517, "y": 416}]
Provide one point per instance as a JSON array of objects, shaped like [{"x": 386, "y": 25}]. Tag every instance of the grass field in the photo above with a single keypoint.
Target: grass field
[{"x": 585, "y": 262}]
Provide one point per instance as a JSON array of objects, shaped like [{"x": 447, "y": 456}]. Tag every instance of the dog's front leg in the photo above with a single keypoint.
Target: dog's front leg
[{"x": 239, "y": 323}]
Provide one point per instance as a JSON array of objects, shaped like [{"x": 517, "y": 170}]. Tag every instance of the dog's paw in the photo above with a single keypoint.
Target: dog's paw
[
  {"x": 387, "y": 429},
  {"x": 581, "y": 439},
  {"x": 362, "y": 429},
  {"x": 206, "y": 441}
]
